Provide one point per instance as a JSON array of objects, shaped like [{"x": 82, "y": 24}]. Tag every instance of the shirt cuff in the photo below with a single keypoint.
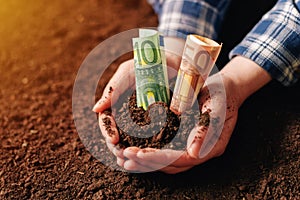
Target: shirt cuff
[{"x": 274, "y": 43}]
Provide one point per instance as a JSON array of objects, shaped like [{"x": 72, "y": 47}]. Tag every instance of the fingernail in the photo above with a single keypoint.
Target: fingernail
[
  {"x": 96, "y": 106},
  {"x": 192, "y": 150}
]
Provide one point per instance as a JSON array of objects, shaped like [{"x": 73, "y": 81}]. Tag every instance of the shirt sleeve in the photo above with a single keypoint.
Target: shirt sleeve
[
  {"x": 274, "y": 43},
  {"x": 178, "y": 18}
]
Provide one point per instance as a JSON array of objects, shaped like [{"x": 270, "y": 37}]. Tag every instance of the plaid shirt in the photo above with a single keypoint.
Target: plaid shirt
[{"x": 274, "y": 43}]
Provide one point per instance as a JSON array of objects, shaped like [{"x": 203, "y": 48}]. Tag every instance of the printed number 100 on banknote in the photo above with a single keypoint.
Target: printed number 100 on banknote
[{"x": 150, "y": 69}]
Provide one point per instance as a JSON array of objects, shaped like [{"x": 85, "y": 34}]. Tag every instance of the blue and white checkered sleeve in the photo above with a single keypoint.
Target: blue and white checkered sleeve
[
  {"x": 178, "y": 18},
  {"x": 157, "y": 5},
  {"x": 274, "y": 43}
]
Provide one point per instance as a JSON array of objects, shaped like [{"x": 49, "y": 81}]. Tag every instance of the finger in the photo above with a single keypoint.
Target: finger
[
  {"x": 222, "y": 142},
  {"x": 149, "y": 163},
  {"x": 108, "y": 128},
  {"x": 215, "y": 129},
  {"x": 157, "y": 158},
  {"x": 134, "y": 166},
  {"x": 110, "y": 146},
  {"x": 141, "y": 165},
  {"x": 116, "y": 150},
  {"x": 120, "y": 162},
  {"x": 174, "y": 170},
  {"x": 148, "y": 157},
  {"x": 215, "y": 101},
  {"x": 132, "y": 154},
  {"x": 118, "y": 84},
  {"x": 195, "y": 140}
]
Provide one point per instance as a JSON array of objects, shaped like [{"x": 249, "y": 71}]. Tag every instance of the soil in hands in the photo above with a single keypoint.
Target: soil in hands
[{"x": 156, "y": 127}]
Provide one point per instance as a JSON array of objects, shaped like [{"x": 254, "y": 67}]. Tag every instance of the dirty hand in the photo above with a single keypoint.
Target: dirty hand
[
  {"x": 241, "y": 77},
  {"x": 167, "y": 160},
  {"x": 122, "y": 80},
  {"x": 203, "y": 143},
  {"x": 115, "y": 88}
]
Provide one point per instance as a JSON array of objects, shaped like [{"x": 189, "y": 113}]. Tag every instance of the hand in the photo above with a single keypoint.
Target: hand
[
  {"x": 115, "y": 87},
  {"x": 203, "y": 143},
  {"x": 112, "y": 91},
  {"x": 121, "y": 81},
  {"x": 171, "y": 161},
  {"x": 241, "y": 77}
]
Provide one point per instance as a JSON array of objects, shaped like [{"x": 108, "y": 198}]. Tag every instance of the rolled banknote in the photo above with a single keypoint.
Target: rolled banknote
[
  {"x": 198, "y": 59},
  {"x": 150, "y": 68}
]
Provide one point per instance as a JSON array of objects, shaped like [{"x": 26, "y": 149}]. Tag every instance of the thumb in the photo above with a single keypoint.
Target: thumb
[
  {"x": 108, "y": 128},
  {"x": 195, "y": 140},
  {"x": 105, "y": 101},
  {"x": 122, "y": 80}
]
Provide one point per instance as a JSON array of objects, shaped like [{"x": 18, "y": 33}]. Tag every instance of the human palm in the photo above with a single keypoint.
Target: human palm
[{"x": 218, "y": 97}]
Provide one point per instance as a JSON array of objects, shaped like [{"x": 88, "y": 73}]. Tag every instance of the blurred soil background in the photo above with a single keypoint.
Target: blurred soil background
[{"x": 42, "y": 46}]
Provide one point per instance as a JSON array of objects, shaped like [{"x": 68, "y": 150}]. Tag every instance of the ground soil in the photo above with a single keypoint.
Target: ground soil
[{"x": 43, "y": 44}]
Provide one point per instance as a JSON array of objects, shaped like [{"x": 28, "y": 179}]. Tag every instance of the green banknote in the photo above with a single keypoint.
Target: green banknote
[{"x": 150, "y": 68}]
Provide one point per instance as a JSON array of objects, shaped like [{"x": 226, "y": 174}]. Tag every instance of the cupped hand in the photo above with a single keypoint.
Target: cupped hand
[
  {"x": 222, "y": 96},
  {"x": 122, "y": 80},
  {"x": 219, "y": 98}
]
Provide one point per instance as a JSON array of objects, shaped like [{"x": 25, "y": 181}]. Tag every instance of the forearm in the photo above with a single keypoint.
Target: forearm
[
  {"x": 246, "y": 76},
  {"x": 274, "y": 42}
]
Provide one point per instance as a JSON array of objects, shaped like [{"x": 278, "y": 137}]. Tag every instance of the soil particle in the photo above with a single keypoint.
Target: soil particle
[
  {"x": 95, "y": 186},
  {"x": 110, "y": 90},
  {"x": 204, "y": 119}
]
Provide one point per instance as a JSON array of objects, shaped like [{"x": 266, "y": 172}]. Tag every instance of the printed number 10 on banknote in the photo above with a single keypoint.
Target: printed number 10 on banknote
[{"x": 150, "y": 68}]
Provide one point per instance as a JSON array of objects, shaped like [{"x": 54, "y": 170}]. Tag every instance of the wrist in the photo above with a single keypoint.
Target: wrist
[{"x": 246, "y": 77}]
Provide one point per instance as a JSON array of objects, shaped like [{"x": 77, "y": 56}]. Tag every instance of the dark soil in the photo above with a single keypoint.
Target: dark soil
[
  {"x": 157, "y": 126},
  {"x": 43, "y": 44}
]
